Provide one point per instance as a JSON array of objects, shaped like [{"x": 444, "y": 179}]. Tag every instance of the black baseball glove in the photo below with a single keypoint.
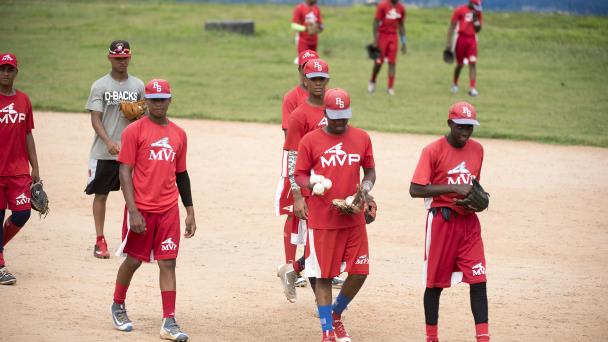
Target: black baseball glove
[
  {"x": 448, "y": 56},
  {"x": 373, "y": 52},
  {"x": 476, "y": 200},
  {"x": 40, "y": 201}
]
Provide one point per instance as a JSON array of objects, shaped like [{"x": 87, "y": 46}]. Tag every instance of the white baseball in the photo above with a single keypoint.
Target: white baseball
[
  {"x": 314, "y": 179},
  {"x": 318, "y": 189},
  {"x": 327, "y": 183},
  {"x": 349, "y": 200}
]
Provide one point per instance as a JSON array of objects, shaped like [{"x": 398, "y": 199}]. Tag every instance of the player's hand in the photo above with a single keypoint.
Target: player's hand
[
  {"x": 300, "y": 209},
  {"x": 113, "y": 147},
  {"x": 462, "y": 189},
  {"x": 403, "y": 49},
  {"x": 190, "y": 226},
  {"x": 35, "y": 175},
  {"x": 137, "y": 222}
]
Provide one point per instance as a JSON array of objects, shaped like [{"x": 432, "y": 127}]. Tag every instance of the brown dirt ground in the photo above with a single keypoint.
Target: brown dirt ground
[{"x": 545, "y": 236}]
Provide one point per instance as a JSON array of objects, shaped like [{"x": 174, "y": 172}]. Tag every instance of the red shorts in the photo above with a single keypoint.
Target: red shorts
[
  {"x": 296, "y": 229},
  {"x": 466, "y": 47},
  {"x": 388, "y": 45},
  {"x": 454, "y": 250},
  {"x": 284, "y": 199},
  {"x": 303, "y": 45},
  {"x": 15, "y": 192},
  {"x": 330, "y": 252},
  {"x": 160, "y": 241}
]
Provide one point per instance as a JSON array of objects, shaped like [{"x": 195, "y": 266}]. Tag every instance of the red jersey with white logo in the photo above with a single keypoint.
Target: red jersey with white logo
[
  {"x": 16, "y": 122},
  {"x": 292, "y": 100},
  {"x": 304, "y": 119},
  {"x": 463, "y": 16},
  {"x": 339, "y": 158},
  {"x": 390, "y": 16},
  {"x": 156, "y": 153},
  {"x": 304, "y": 14},
  {"x": 441, "y": 163}
]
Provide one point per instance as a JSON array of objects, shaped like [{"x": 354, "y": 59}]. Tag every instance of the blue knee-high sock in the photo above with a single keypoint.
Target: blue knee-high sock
[
  {"x": 327, "y": 321},
  {"x": 340, "y": 304}
]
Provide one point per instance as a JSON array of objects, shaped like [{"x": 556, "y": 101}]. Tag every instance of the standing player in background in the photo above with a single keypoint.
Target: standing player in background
[
  {"x": 307, "y": 23},
  {"x": 283, "y": 198},
  {"x": 108, "y": 123},
  {"x": 338, "y": 152},
  {"x": 18, "y": 152},
  {"x": 390, "y": 19},
  {"x": 466, "y": 20},
  {"x": 454, "y": 248},
  {"x": 152, "y": 174}
]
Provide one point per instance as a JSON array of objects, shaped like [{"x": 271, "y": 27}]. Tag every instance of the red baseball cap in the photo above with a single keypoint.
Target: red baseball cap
[
  {"x": 158, "y": 89},
  {"x": 316, "y": 68},
  {"x": 119, "y": 49},
  {"x": 476, "y": 4},
  {"x": 10, "y": 59},
  {"x": 337, "y": 104},
  {"x": 305, "y": 56},
  {"x": 463, "y": 113}
]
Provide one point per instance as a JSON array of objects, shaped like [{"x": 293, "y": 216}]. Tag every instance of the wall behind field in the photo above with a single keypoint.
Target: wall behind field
[{"x": 585, "y": 7}]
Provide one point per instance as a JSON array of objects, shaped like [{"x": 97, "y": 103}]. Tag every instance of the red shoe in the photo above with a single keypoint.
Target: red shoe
[
  {"x": 339, "y": 330},
  {"x": 101, "y": 249},
  {"x": 329, "y": 336},
  {"x": 483, "y": 338}
]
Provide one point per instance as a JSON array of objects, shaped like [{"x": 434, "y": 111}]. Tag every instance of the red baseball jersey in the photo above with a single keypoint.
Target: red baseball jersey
[
  {"x": 441, "y": 163},
  {"x": 304, "y": 14},
  {"x": 339, "y": 158},
  {"x": 294, "y": 98},
  {"x": 390, "y": 16},
  {"x": 16, "y": 122},
  {"x": 463, "y": 16},
  {"x": 304, "y": 119},
  {"x": 156, "y": 153}
]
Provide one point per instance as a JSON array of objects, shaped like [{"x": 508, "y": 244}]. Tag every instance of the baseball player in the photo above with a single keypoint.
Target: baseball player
[
  {"x": 283, "y": 199},
  {"x": 466, "y": 20},
  {"x": 389, "y": 20},
  {"x": 108, "y": 123},
  {"x": 307, "y": 22},
  {"x": 337, "y": 152},
  {"x": 454, "y": 248},
  {"x": 152, "y": 173},
  {"x": 18, "y": 152}
]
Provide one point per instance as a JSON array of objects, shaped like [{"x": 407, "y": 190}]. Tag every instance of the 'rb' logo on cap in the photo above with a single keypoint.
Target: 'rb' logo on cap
[
  {"x": 467, "y": 111},
  {"x": 339, "y": 102},
  {"x": 157, "y": 87}
]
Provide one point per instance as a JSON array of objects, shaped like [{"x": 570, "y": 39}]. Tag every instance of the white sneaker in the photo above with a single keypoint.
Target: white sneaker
[
  {"x": 371, "y": 87},
  {"x": 288, "y": 278},
  {"x": 454, "y": 89},
  {"x": 171, "y": 331},
  {"x": 301, "y": 282},
  {"x": 391, "y": 91},
  {"x": 473, "y": 92}
]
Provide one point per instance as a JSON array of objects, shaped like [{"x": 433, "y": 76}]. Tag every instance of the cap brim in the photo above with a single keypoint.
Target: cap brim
[
  {"x": 9, "y": 63},
  {"x": 339, "y": 114},
  {"x": 465, "y": 122},
  {"x": 158, "y": 96},
  {"x": 124, "y": 55},
  {"x": 317, "y": 74}
]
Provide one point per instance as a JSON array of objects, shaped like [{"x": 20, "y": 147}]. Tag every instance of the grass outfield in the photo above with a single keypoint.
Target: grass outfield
[{"x": 541, "y": 77}]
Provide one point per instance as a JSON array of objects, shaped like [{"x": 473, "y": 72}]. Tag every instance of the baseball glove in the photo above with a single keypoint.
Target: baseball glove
[
  {"x": 448, "y": 56},
  {"x": 352, "y": 204},
  {"x": 373, "y": 52},
  {"x": 39, "y": 200},
  {"x": 133, "y": 110},
  {"x": 477, "y": 199},
  {"x": 312, "y": 28},
  {"x": 370, "y": 210}
]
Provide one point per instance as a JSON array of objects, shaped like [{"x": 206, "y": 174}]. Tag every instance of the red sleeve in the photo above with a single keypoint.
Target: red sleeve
[
  {"x": 30, "y": 117},
  {"x": 368, "y": 157},
  {"x": 128, "y": 146},
  {"x": 380, "y": 11},
  {"x": 297, "y": 15},
  {"x": 424, "y": 170},
  {"x": 180, "y": 164},
  {"x": 303, "y": 164},
  {"x": 456, "y": 15},
  {"x": 288, "y": 106},
  {"x": 295, "y": 131}
]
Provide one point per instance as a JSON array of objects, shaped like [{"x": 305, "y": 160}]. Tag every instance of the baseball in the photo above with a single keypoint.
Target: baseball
[
  {"x": 326, "y": 183},
  {"x": 349, "y": 200},
  {"x": 318, "y": 189},
  {"x": 315, "y": 179}
]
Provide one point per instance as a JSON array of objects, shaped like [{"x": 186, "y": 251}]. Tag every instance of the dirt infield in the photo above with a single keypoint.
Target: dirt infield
[{"x": 545, "y": 236}]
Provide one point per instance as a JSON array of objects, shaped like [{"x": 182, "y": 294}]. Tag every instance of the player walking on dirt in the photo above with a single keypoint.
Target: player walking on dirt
[{"x": 454, "y": 249}]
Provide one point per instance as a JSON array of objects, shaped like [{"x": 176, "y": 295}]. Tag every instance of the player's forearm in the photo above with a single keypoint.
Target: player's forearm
[
  {"x": 297, "y": 27},
  {"x": 291, "y": 172},
  {"x": 98, "y": 127},
  {"x": 431, "y": 190},
  {"x": 375, "y": 30},
  {"x": 451, "y": 29},
  {"x": 183, "y": 185},
  {"x": 126, "y": 183},
  {"x": 31, "y": 151},
  {"x": 190, "y": 210},
  {"x": 369, "y": 179},
  {"x": 402, "y": 34}
]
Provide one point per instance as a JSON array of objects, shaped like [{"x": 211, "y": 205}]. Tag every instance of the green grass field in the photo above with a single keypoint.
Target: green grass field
[{"x": 541, "y": 77}]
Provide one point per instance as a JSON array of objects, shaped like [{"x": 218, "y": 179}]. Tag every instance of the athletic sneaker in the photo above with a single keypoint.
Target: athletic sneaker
[
  {"x": 340, "y": 331},
  {"x": 301, "y": 281},
  {"x": 101, "y": 249},
  {"x": 329, "y": 336},
  {"x": 483, "y": 338},
  {"x": 391, "y": 91},
  {"x": 288, "y": 278},
  {"x": 171, "y": 331},
  {"x": 6, "y": 278},
  {"x": 454, "y": 89},
  {"x": 473, "y": 92},
  {"x": 371, "y": 87},
  {"x": 337, "y": 282},
  {"x": 119, "y": 317}
]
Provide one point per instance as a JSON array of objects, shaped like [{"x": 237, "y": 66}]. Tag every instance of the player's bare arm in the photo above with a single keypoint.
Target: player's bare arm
[
  {"x": 33, "y": 157},
  {"x": 185, "y": 192},
  {"x": 433, "y": 190},
  {"x": 190, "y": 223},
  {"x": 476, "y": 21},
  {"x": 369, "y": 179},
  {"x": 451, "y": 29},
  {"x": 113, "y": 147},
  {"x": 300, "y": 208},
  {"x": 402, "y": 38},
  {"x": 375, "y": 25},
  {"x": 136, "y": 221}
]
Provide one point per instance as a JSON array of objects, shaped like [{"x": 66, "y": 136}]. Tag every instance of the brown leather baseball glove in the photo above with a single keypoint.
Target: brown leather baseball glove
[{"x": 133, "y": 110}]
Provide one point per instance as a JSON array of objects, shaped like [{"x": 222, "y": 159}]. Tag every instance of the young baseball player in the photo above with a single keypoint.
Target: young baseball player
[
  {"x": 338, "y": 152},
  {"x": 18, "y": 152},
  {"x": 152, "y": 174},
  {"x": 307, "y": 23},
  {"x": 389, "y": 20},
  {"x": 466, "y": 20},
  {"x": 454, "y": 248},
  {"x": 108, "y": 123}
]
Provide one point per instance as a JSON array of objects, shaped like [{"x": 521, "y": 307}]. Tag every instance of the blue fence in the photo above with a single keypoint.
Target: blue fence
[{"x": 585, "y": 7}]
